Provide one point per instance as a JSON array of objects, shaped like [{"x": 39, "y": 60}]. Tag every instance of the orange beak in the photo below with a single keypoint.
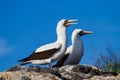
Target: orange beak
[{"x": 87, "y": 32}]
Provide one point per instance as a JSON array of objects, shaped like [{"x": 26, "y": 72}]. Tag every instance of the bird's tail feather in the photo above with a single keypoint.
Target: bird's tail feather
[
  {"x": 24, "y": 63},
  {"x": 24, "y": 59}
]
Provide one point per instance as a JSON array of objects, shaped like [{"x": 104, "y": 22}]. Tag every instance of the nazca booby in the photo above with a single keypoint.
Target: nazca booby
[
  {"x": 74, "y": 52},
  {"x": 48, "y": 53}
]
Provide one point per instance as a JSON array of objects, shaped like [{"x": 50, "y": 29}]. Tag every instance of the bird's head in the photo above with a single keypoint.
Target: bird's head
[
  {"x": 81, "y": 32},
  {"x": 66, "y": 22}
]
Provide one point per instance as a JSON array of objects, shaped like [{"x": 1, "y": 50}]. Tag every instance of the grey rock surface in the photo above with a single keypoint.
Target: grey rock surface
[{"x": 68, "y": 72}]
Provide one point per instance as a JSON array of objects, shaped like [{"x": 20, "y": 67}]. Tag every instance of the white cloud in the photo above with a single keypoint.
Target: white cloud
[{"x": 5, "y": 47}]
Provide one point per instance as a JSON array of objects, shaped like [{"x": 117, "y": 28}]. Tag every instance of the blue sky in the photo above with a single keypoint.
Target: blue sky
[{"x": 27, "y": 24}]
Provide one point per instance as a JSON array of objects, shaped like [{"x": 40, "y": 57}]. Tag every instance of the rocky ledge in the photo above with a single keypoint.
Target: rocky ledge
[{"x": 69, "y": 72}]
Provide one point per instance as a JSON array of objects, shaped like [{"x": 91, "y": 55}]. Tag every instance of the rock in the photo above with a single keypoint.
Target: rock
[
  {"x": 106, "y": 77},
  {"x": 18, "y": 75},
  {"x": 76, "y": 72},
  {"x": 24, "y": 68},
  {"x": 68, "y": 72}
]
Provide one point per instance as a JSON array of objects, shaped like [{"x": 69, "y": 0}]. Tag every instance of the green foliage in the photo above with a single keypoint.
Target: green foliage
[
  {"x": 109, "y": 62},
  {"x": 112, "y": 67}
]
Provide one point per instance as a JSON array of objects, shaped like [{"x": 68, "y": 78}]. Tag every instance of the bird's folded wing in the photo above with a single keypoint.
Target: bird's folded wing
[
  {"x": 61, "y": 60},
  {"x": 50, "y": 46},
  {"x": 47, "y": 52}
]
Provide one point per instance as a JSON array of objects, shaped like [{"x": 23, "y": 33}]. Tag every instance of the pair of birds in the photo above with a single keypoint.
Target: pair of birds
[{"x": 58, "y": 50}]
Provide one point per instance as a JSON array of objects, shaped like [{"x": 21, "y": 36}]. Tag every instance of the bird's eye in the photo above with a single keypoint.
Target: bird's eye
[
  {"x": 81, "y": 33},
  {"x": 65, "y": 22}
]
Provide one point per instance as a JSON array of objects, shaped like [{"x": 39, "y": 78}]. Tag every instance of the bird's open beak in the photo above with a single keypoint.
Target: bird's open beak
[{"x": 71, "y": 22}]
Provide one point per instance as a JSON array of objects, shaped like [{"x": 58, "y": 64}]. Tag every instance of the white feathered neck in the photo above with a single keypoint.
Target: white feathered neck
[{"x": 61, "y": 32}]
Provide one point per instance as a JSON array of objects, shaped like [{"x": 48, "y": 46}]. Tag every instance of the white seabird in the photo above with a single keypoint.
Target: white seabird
[
  {"x": 74, "y": 52},
  {"x": 51, "y": 52}
]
